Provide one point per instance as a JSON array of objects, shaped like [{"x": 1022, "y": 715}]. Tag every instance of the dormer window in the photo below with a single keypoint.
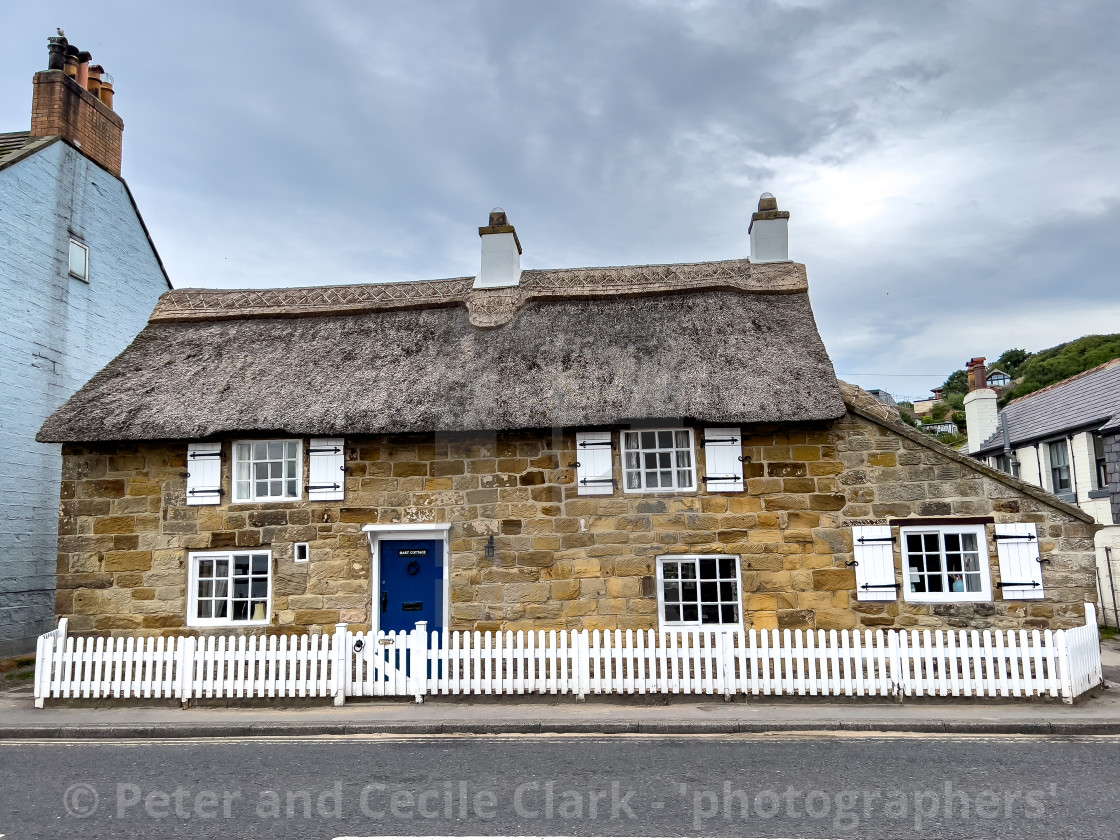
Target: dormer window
[{"x": 79, "y": 260}]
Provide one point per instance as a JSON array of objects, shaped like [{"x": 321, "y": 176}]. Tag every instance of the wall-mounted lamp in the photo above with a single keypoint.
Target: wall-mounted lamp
[{"x": 490, "y": 548}]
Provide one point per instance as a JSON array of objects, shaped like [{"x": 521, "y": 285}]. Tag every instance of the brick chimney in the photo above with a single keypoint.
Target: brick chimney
[
  {"x": 977, "y": 373},
  {"x": 79, "y": 113}
]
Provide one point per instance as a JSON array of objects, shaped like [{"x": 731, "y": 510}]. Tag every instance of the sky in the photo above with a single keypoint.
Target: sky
[{"x": 950, "y": 168}]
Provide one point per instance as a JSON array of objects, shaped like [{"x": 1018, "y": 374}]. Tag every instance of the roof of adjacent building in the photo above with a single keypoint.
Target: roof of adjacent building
[
  {"x": 1080, "y": 402},
  {"x": 719, "y": 342},
  {"x": 13, "y": 141}
]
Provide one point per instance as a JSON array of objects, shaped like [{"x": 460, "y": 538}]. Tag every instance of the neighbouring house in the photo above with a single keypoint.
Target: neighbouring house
[
  {"x": 945, "y": 426},
  {"x": 1066, "y": 438},
  {"x": 79, "y": 276},
  {"x": 656, "y": 446},
  {"x": 997, "y": 379},
  {"x": 882, "y": 396},
  {"x": 924, "y": 407}
]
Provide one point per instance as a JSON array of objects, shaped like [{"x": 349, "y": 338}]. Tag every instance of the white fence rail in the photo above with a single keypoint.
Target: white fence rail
[{"x": 880, "y": 663}]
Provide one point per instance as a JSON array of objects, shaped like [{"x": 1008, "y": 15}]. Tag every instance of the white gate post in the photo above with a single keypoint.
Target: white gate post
[
  {"x": 1064, "y": 674},
  {"x": 340, "y": 654},
  {"x": 186, "y": 669},
  {"x": 41, "y": 668},
  {"x": 418, "y": 661}
]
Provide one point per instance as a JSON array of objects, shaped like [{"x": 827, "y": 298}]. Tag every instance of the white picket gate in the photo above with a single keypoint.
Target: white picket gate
[{"x": 880, "y": 663}]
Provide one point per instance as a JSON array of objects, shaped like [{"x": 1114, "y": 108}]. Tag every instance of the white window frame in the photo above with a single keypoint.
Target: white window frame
[
  {"x": 641, "y": 472},
  {"x": 253, "y": 497},
  {"x": 84, "y": 277},
  {"x": 696, "y": 558},
  {"x": 949, "y": 597},
  {"x": 1068, "y": 466},
  {"x": 228, "y": 621}
]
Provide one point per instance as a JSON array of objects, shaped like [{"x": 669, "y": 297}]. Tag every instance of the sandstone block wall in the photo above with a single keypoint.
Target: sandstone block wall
[{"x": 561, "y": 560}]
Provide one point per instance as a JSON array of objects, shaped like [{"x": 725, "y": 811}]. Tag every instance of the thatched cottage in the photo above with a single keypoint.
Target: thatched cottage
[{"x": 653, "y": 446}]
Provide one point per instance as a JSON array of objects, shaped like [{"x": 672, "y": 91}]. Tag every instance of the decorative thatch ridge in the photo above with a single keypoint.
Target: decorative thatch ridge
[
  {"x": 713, "y": 343},
  {"x": 488, "y": 307}
]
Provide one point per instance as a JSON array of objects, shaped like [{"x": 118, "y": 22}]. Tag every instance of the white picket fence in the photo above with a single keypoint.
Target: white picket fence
[{"x": 880, "y": 663}]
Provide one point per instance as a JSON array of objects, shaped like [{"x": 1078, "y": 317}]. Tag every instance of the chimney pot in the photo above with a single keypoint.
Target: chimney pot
[
  {"x": 70, "y": 62},
  {"x": 56, "y": 52},
  {"x": 769, "y": 231}
]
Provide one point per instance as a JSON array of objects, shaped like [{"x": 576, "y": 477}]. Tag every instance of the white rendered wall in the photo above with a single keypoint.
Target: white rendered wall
[
  {"x": 982, "y": 415},
  {"x": 770, "y": 240},
  {"x": 501, "y": 262}
]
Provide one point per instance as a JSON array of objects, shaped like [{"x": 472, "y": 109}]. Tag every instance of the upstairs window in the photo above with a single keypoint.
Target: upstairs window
[
  {"x": 266, "y": 470},
  {"x": 658, "y": 460},
  {"x": 79, "y": 260},
  {"x": 1060, "y": 481},
  {"x": 1100, "y": 461},
  {"x": 946, "y": 564}
]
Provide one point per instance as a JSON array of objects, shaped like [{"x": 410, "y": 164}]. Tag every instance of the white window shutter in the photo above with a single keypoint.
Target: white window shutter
[
  {"x": 873, "y": 551},
  {"x": 204, "y": 473},
  {"x": 723, "y": 453},
  {"x": 594, "y": 464},
  {"x": 1017, "y": 547},
  {"x": 327, "y": 476}
]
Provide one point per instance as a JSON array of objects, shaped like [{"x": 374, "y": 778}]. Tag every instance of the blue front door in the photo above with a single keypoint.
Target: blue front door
[{"x": 411, "y": 587}]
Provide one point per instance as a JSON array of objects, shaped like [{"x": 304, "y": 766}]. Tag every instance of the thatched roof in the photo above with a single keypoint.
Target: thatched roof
[{"x": 723, "y": 342}]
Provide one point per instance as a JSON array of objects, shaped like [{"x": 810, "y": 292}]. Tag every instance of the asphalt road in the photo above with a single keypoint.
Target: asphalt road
[{"x": 820, "y": 786}]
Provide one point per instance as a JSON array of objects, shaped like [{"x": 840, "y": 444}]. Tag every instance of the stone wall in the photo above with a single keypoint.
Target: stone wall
[{"x": 561, "y": 560}]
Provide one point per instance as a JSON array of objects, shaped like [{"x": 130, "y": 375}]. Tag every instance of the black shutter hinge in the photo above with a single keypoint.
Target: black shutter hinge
[
  {"x": 705, "y": 441},
  {"x": 1027, "y": 537},
  {"x": 863, "y": 540},
  {"x": 334, "y": 450},
  {"x": 597, "y": 481},
  {"x": 586, "y": 443},
  {"x": 323, "y": 486},
  {"x": 881, "y": 586},
  {"x": 721, "y": 478},
  {"x": 1031, "y": 583}
]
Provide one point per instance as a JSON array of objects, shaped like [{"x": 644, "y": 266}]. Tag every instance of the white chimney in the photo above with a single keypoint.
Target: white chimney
[
  {"x": 769, "y": 232},
  {"x": 501, "y": 253},
  {"x": 981, "y": 405}
]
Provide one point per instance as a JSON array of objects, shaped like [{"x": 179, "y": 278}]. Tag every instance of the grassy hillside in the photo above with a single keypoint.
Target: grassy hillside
[{"x": 1061, "y": 362}]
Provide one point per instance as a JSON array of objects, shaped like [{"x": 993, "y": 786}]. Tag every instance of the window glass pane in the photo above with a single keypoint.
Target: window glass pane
[
  {"x": 633, "y": 460},
  {"x": 221, "y": 567},
  {"x": 729, "y": 613},
  {"x": 262, "y": 489},
  {"x": 260, "y": 470},
  {"x": 291, "y": 487},
  {"x": 205, "y": 588},
  {"x": 78, "y": 260},
  {"x": 666, "y": 478},
  {"x": 684, "y": 458},
  {"x": 260, "y": 451},
  {"x": 669, "y": 571},
  {"x": 205, "y": 568},
  {"x": 672, "y": 591},
  {"x": 707, "y": 568},
  {"x": 240, "y": 610},
  {"x": 221, "y": 588},
  {"x": 240, "y": 588},
  {"x": 709, "y": 613},
  {"x": 632, "y": 441},
  {"x": 242, "y": 470},
  {"x": 727, "y": 567},
  {"x": 672, "y": 612},
  {"x": 260, "y": 564},
  {"x": 204, "y": 609},
  {"x": 290, "y": 469},
  {"x": 275, "y": 449},
  {"x": 665, "y": 440},
  {"x": 690, "y": 612},
  {"x": 913, "y": 543},
  {"x": 688, "y": 571},
  {"x": 276, "y": 469},
  {"x": 242, "y": 490},
  {"x": 649, "y": 440},
  {"x": 633, "y": 481},
  {"x": 727, "y": 591},
  {"x": 709, "y": 591},
  {"x": 291, "y": 449},
  {"x": 260, "y": 589},
  {"x": 221, "y": 609},
  {"x": 241, "y": 564},
  {"x": 682, "y": 439}
]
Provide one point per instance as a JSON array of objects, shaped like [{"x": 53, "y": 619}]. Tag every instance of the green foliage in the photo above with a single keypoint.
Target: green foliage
[
  {"x": 957, "y": 383},
  {"x": 955, "y": 401},
  {"x": 939, "y": 411},
  {"x": 1010, "y": 361},
  {"x": 906, "y": 412},
  {"x": 959, "y": 418},
  {"x": 1061, "y": 362},
  {"x": 950, "y": 439}
]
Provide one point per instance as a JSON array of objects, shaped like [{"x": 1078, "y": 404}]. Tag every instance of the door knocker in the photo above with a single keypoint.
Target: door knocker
[{"x": 413, "y": 567}]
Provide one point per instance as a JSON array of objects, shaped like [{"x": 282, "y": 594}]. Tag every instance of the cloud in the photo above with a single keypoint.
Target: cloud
[{"x": 950, "y": 168}]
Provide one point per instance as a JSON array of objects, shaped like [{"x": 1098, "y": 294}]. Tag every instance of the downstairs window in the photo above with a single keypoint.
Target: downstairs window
[
  {"x": 229, "y": 588},
  {"x": 698, "y": 591},
  {"x": 946, "y": 564}
]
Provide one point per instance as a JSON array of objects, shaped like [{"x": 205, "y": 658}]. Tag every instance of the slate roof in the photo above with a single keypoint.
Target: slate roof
[
  {"x": 1081, "y": 401},
  {"x": 721, "y": 342},
  {"x": 13, "y": 141}
]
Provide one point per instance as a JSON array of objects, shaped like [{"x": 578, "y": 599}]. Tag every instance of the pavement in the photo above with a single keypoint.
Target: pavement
[{"x": 1097, "y": 713}]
